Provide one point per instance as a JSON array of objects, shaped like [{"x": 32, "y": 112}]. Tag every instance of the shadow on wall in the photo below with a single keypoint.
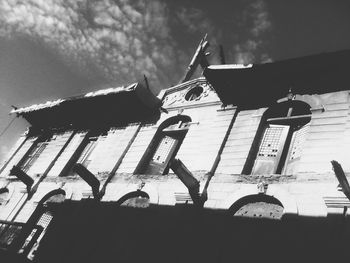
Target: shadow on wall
[{"x": 102, "y": 232}]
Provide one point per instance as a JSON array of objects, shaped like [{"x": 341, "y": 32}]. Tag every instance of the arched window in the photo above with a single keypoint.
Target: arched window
[
  {"x": 42, "y": 217},
  {"x": 164, "y": 146},
  {"x": 280, "y": 138},
  {"x": 138, "y": 199},
  {"x": 257, "y": 206}
]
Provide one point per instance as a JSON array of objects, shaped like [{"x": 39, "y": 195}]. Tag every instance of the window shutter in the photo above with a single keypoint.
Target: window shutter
[
  {"x": 296, "y": 149},
  {"x": 34, "y": 155}
]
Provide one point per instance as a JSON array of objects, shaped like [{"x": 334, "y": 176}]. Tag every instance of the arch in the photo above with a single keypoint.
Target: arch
[
  {"x": 286, "y": 199},
  {"x": 50, "y": 194},
  {"x": 42, "y": 216},
  {"x": 135, "y": 195},
  {"x": 299, "y": 108},
  {"x": 164, "y": 145},
  {"x": 173, "y": 120},
  {"x": 114, "y": 195},
  {"x": 278, "y": 142},
  {"x": 260, "y": 205}
]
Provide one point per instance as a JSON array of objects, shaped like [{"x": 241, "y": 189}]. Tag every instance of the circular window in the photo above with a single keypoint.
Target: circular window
[{"x": 194, "y": 93}]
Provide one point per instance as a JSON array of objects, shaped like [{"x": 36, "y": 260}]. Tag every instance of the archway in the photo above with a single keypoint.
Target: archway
[
  {"x": 137, "y": 199},
  {"x": 258, "y": 206}
]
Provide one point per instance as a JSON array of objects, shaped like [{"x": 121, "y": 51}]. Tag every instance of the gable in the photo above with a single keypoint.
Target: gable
[{"x": 190, "y": 94}]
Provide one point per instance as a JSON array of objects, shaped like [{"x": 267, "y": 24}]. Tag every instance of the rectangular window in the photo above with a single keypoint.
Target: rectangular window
[
  {"x": 163, "y": 150},
  {"x": 270, "y": 149},
  {"x": 84, "y": 157},
  {"x": 33, "y": 156},
  {"x": 162, "y": 155}
]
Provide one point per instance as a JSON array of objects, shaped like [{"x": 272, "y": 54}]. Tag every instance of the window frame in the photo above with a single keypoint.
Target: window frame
[
  {"x": 293, "y": 113},
  {"x": 83, "y": 152},
  {"x": 175, "y": 127}
]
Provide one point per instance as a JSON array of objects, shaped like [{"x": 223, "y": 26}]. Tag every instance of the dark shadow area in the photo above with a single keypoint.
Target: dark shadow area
[
  {"x": 102, "y": 232},
  {"x": 263, "y": 84}
]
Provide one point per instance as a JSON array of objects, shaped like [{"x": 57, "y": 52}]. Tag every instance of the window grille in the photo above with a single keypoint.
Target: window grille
[
  {"x": 271, "y": 141},
  {"x": 45, "y": 220},
  {"x": 164, "y": 147},
  {"x": 163, "y": 150}
]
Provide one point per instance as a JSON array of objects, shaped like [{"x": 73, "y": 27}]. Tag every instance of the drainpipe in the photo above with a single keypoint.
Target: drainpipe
[
  {"x": 345, "y": 188},
  {"x": 343, "y": 182},
  {"x": 189, "y": 181},
  {"x": 23, "y": 177},
  {"x": 89, "y": 178}
]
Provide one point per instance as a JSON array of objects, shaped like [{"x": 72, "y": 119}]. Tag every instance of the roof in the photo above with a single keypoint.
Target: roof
[
  {"x": 261, "y": 84},
  {"x": 102, "y": 107},
  {"x": 49, "y": 104}
]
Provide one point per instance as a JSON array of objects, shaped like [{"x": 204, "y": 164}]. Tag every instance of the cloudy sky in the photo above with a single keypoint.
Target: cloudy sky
[{"x": 51, "y": 49}]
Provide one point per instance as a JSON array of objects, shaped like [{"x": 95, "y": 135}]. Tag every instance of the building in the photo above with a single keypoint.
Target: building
[{"x": 251, "y": 141}]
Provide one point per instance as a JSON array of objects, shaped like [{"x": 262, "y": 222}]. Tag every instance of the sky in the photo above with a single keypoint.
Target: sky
[{"x": 51, "y": 49}]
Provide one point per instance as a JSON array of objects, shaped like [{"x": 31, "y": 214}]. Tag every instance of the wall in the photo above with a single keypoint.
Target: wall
[
  {"x": 54, "y": 145},
  {"x": 111, "y": 148},
  {"x": 327, "y": 139},
  {"x": 203, "y": 140},
  {"x": 137, "y": 149},
  {"x": 19, "y": 155},
  {"x": 67, "y": 154},
  {"x": 239, "y": 142}
]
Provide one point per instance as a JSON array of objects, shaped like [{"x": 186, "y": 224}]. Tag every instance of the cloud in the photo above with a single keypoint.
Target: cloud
[
  {"x": 117, "y": 41},
  {"x": 255, "y": 19},
  {"x": 195, "y": 24}
]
